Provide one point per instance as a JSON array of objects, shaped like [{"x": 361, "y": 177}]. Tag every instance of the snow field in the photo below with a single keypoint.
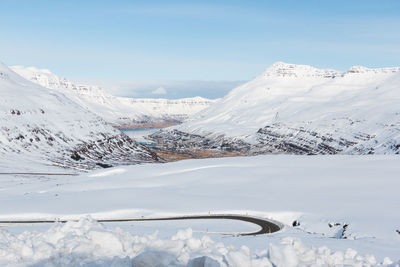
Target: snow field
[{"x": 322, "y": 193}]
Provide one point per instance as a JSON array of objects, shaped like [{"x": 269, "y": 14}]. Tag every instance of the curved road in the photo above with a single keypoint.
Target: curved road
[
  {"x": 38, "y": 173},
  {"x": 266, "y": 226}
]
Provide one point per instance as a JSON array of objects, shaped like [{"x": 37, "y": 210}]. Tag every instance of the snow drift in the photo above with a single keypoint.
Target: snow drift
[{"x": 87, "y": 243}]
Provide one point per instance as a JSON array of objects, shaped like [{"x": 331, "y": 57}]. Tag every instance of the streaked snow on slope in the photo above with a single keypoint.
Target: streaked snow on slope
[
  {"x": 43, "y": 125},
  {"x": 303, "y": 110}
]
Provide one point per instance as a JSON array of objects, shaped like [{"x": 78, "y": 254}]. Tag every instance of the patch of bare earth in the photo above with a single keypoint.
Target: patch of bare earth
[
  {"x": 149, "y": 125},
  {"x": 170, "y": 156}
]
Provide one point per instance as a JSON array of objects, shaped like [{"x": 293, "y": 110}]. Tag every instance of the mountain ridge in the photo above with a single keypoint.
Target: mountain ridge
[
  {"x": 44, "y": 126},
  {"x": 354, "y": 112},
  {"x": 119, "y": 111}
]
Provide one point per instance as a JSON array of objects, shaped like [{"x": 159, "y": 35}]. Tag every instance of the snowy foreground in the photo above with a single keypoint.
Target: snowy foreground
[{"x": 321, "y": 193}]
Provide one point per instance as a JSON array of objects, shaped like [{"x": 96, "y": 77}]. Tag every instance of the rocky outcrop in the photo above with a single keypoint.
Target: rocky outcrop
[
  {"x": 196, "y": 146},
  {"x": 277, "y": 139},
  {"x": 108, "y": 152},
  {"x": 284, "y": 139}
]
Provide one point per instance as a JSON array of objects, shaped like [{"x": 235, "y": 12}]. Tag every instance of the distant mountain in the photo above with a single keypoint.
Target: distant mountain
[
  {"x": 45, "y": 126},
  {"x": 300, "y": 109},
  {"x": 119, "y": 111}
]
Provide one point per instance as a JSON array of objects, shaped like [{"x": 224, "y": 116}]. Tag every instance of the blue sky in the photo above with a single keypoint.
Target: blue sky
[{"x": 161, "y": 42}]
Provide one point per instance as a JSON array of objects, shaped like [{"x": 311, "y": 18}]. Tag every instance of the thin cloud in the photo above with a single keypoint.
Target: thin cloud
[{"x": 160, "y": 91}]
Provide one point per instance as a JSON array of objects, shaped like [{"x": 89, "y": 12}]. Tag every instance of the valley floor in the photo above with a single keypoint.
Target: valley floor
[{"x": 336, "y": 210}]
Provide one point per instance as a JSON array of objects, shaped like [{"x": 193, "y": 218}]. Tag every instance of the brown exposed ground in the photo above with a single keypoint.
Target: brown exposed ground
[
  {"x": 151, "y": 125},
  {"x": 170, "y": 156},
  {"x": 165, "y": 152}
]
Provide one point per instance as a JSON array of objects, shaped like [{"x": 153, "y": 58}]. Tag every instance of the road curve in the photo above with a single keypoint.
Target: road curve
[
  {"x": 266, "y": 225},
  {"x": 39, "y": 173}
]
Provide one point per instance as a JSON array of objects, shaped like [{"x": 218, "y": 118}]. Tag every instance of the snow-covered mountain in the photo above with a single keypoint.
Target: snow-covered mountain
[
  {"x": 303, "y": 110},
  {"x": 119, "y": 111},
  {"x": 43, "y": 125}
]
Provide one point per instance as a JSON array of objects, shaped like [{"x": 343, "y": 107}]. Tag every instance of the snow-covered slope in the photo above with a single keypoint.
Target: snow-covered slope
[
  {"x": 44, "y": 126},
  {"x": 122, "y": 112},
  {"x": 338, "y": 211},
  {"x": 300, "y": 109}
]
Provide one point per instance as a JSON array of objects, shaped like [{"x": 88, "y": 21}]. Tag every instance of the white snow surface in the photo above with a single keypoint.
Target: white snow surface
[
  {"x": 44, "y": 126},
  {"x": 117, "y": 110},
  {"x": 317, "y": 191},
  {"x": 291, "y": 99}
]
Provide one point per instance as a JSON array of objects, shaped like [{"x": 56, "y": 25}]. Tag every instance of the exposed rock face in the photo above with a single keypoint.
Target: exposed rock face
[
  {"x": 299, "y": 109},
  {"x": 274, "y": 139},
  {"x": 175, "y": 144},
  {"x": 284, "y": 139},
  {"x": 108, "y": 152},
  {"x": 42, "y": 125}
]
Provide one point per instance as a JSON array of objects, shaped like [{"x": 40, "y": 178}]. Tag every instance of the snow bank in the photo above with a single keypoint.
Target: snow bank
[{"x": 87, "y": 242}]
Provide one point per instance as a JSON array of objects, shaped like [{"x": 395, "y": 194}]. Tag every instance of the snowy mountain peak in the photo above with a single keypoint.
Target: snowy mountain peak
[
  {"x": 300, "y": 109},
  {"x": 2, "y": 66},
  {"x": 4, "y": 71},
  {"x": 44, "y": 126},
  {"x": 47, "y": 79},
  {"x": 362, "y": 69},
  {"x": 281, "y": 69},
  {"x": 121, "y": 112},
  {"x": 9, "y": 75},
  {"x": 33, "y": 69}
]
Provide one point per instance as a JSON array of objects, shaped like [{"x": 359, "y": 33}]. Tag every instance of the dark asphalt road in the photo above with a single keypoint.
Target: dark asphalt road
[
  {"x": 266, "y": 226},
  {"x": 37, "y": 173}
]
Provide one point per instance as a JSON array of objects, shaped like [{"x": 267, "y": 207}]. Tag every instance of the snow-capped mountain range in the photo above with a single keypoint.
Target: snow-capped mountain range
[
  {"x": 119, "y": 111},
  {"x": 303, "y": 110},
  {"x": 287, "y": 109},
  {"x": 43, "y": 125}
]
